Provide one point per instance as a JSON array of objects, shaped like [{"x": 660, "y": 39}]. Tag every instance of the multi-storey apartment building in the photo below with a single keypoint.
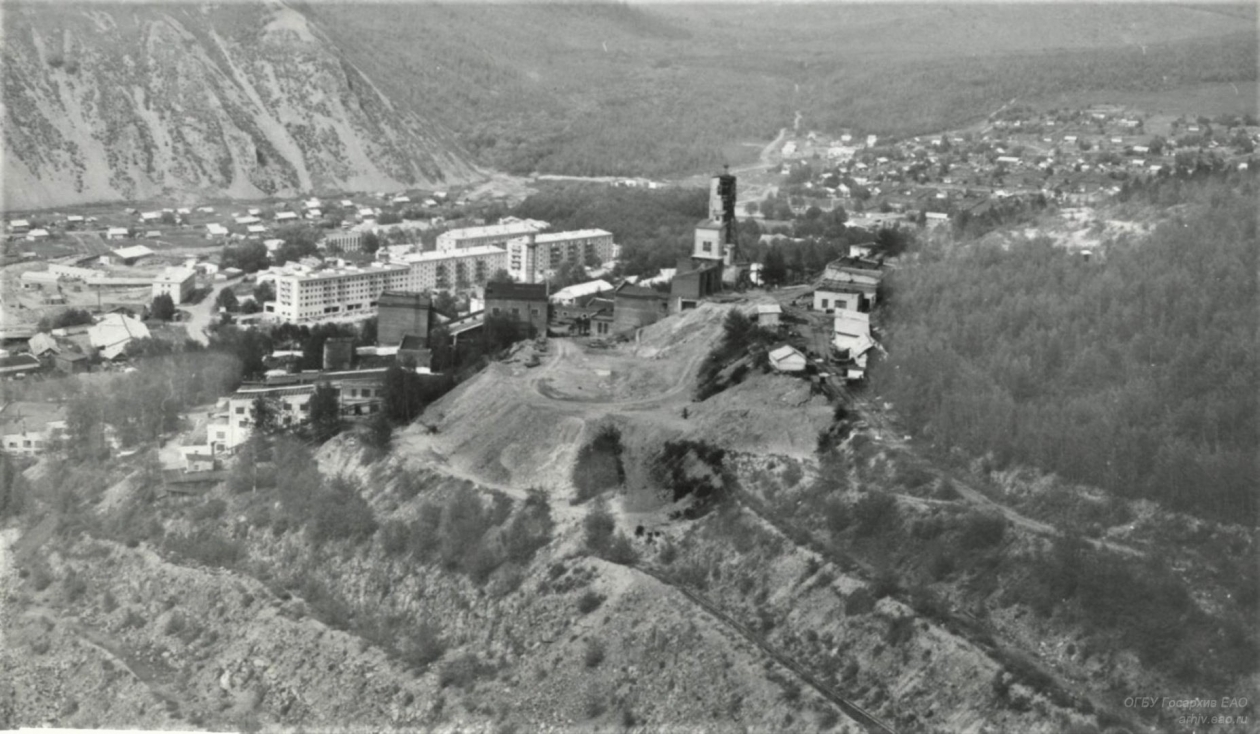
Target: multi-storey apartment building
[
  {"x": 492, "y": 234},
  {"x": 534, "y": 257},
  {"x": 331, "y": 293},
  {"x": 454, "y": 269},
  {"x": 335, "y": 292}
]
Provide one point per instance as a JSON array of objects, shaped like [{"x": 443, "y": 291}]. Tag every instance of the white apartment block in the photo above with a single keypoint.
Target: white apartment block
[
  {"x": 493, "y": 234},
  {"x": 336, "y": 292},
  {"x": 534, "y": 257},
  {"x": 455, "y": 269},
  {"x": 332, "y": 293}
]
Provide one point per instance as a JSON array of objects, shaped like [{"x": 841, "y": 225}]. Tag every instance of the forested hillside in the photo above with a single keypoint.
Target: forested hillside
[
  {"x": 1135, "y": 372},
  {"x": 659, "y": 90}
]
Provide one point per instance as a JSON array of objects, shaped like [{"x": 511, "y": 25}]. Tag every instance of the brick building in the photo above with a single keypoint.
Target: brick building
[
  {"x": 522, "y": 301},
  {"x": 636, "y": 307}
]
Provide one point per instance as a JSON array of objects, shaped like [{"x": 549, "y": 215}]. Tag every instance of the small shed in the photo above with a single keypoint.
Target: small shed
[
  {"x": 787, "y": 359},
  {"x": 768, "y": 314}
]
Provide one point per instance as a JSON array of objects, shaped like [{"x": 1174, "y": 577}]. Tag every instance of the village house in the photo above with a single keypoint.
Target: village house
[
  {"x": 768, "y": 315},
  {"x": 113, "y": 333},
  {"x": 29, "y": 428},
  {"x": 19, "y": 365}
]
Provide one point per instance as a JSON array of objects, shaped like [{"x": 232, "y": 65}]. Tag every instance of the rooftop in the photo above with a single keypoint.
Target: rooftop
[
  {"x": 435, "y": 255},
  {"x": 516, "y": 291},
  {"x": 174, "y": 275},
  {"x": 30, "y": 415},
  {"x": 493, "y": 230}
]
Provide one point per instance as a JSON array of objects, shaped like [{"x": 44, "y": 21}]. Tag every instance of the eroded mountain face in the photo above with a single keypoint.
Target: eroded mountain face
[{"x": 132, "y": 102}]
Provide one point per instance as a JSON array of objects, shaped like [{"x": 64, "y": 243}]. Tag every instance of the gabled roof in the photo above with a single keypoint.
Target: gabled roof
[
  {"x": 116, "y": 329},
  {"x": 134, "y": 251}
]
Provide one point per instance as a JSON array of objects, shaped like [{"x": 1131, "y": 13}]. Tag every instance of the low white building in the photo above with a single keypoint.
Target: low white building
[{"x": 28, "y": 428}]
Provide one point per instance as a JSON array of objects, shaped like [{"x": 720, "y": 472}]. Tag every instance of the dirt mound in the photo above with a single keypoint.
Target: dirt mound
[{"x": 768, "y": 414}]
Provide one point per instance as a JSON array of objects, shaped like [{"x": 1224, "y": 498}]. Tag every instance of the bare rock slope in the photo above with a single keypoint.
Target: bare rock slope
[{"x": 110, "y": 102}]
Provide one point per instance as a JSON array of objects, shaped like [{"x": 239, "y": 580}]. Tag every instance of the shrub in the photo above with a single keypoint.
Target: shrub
[
  {"x": 340, "y": 513},
  {"x": 622, "y": 551},
  {"x": 211, "y": 510},
  {"x": 982, "y": 530},
  {"x": 598, "y": 527},
  {"x": 589, "y": 602},
  {"x": 205, "y": 547},
  {"x": 594, "y": 654},
  {"x": 424, "y": 646},
  {"x": 900, "y": 630},
  {"x": 599, "y": 466},
  {"x": 461, "y": 672},
  {"x": 875, "y": 513}
]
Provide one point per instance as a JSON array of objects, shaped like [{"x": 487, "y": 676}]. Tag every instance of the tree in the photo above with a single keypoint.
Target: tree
[
  {"x": 264, "y": 292},
  {"x": 163, "y": 307},
  {"x": 300, "y": 240},
  {"x": 751, "y": 208},
  {"x": 249, "y": 257},
  {"x": 168, "y": 218},
  {"x": 264, "y": 415},
  {"x": 370, "y": 243},
  {"x": 251, "y": 306},
  {"x": 774, "y": 268},
  {"x": 226, "y": 301},
  {"x": 501, "y": 276},
  {"x": 379, "y": 432},
  {"x": 325, "y": 413}
]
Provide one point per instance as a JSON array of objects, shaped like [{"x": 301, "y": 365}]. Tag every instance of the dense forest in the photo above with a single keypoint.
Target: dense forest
[{"x": 1135, "y": 371}]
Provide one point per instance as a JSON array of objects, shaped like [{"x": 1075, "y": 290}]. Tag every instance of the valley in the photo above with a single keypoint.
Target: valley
[{"x": 629, "y": 367}]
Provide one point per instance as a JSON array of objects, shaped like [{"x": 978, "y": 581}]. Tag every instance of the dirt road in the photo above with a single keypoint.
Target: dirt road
[{"x": 201, "y": 314}]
